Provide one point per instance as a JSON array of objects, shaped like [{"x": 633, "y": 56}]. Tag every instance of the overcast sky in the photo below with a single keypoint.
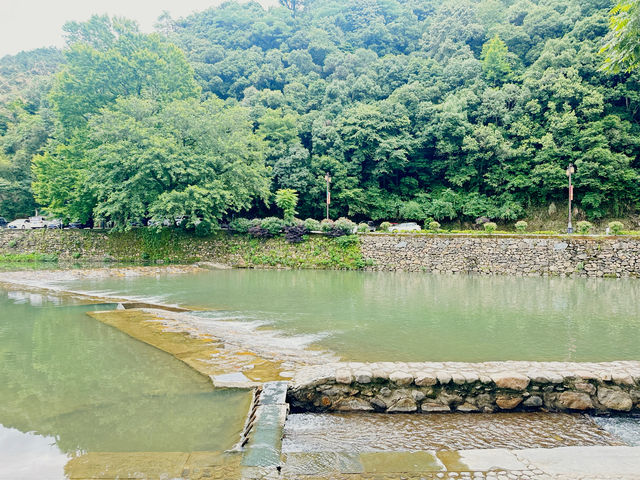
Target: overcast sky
[{"x": 29, "y": 24}]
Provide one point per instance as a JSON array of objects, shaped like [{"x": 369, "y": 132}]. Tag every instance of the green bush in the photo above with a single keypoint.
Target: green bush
[
  {"x": 326, "y": 225},
  {"x": 490, "y": 227},
  {"x": 312, "y": 225},
  {"x": 433, "y": 226},
  {"x": 616, "y": 227},
  {"x": 344, "y": 225},
  {"x": 12, "y": 244},
  {"x": 347, "y": 240},
  {"x": 240, "y": 225},
  {"x": 521, "y": 226},
  {"x": 273, "y": 225},
  {"x": 584, "y": 227},
  {"x": 363, "y": 228},
  {"x": 384, "y": 226}
]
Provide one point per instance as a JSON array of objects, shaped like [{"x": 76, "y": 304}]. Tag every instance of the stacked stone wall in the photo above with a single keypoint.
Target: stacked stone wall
[
  {"x": 468, "y": 387},
  {"x": 476, "y": 254},
  {"x": 504, "y": 255}
]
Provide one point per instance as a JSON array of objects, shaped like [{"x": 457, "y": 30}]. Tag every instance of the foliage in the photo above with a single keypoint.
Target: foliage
[
  {"x": 490, "y": 227},
  {"x": 347, "y": 240},
  {"x": 312, "y": 225},
  {"x": 584, "y": 227},
  {"x": 344, "y": 226},
  {"x": 28, "y": 257},
  {"x": 295, "y": 233},
  {"x": 267, "y": 227},
  {"x": 450, "y": 110},
  {"x": 616, "y": 227},
  {"x": 363, "y": 228},
  {"x": 384, "y": 226},
  {"x": 495, "y": 63},
  {"x": 622, "y": 48},
  {"x": 287, "y": 199},
  {"x": 240, "y": 225},
  {"x": 433, "y": 226},
  {"x": 521, "y": 226},
  {"x": 326, "y": 225}
]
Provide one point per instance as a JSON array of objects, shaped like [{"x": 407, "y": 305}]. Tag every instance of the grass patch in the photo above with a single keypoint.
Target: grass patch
[{"x": 28, "y": 258}]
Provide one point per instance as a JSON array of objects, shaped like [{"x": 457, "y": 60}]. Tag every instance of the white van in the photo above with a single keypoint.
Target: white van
[{"x": 38, "y": 222}]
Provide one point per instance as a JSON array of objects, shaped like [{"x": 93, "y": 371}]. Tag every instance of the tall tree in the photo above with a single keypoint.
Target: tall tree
[{"x": 622, "y": 48}]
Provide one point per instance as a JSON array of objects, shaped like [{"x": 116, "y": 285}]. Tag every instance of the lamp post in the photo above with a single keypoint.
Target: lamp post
[
  {"x": 570, "y": 170},
  {"x": 327, "y": 178}
]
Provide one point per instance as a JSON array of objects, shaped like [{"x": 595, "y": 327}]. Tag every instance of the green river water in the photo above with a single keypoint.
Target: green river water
[
  {"x": 413, "y": 317},
  {"x": 70, "y": 385}
]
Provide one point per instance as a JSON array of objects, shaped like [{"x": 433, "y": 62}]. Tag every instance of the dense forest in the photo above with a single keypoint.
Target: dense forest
[{"x": 443, "y": 109}]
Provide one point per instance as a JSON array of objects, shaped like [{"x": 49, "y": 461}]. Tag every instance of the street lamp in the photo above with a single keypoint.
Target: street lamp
[
  {"x": 570, "y": 171},
  {"x": 327, "y": 178}
]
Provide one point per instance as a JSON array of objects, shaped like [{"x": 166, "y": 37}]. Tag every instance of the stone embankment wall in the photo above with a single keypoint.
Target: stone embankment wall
[
  {"x": 175, "y": 246},
  {"x": 505, "y": 255},
  {"x": 479, "y": 254},
  {"x": 468, "y": 387}
]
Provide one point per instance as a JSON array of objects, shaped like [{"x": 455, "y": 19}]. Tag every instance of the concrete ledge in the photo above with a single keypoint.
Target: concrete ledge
[{"x": 612, "y": 387}]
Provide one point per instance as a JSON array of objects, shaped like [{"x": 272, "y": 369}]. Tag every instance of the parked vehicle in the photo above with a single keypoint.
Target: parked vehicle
[
  {"x": 405, "y": 227},
  {"x": 76, "y": 225},
  {"x": 3, "y": 223},
  {"x": 55, "y": 223},
  {"x": 38, "y": 222},
  {"x": 20, "y": 224},
  {"x": 157, "y": 223}
]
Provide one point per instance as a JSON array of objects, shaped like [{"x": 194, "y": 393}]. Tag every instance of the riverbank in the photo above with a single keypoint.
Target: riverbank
[{"x": 482, "y": 254}]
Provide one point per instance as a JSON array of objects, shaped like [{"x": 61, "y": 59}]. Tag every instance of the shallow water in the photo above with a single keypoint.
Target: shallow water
[
  {"x": 317, "y": 432},
  {"x": 369, "y": 316},
  {"x": 70, "y": 385}
]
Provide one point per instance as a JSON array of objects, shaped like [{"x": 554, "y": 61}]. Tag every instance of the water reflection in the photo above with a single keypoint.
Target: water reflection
[
  {"x": 26, "y": 456},
  {"x": 67, "y": 377}
]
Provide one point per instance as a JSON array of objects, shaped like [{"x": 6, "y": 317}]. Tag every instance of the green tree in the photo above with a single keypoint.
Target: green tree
[
  {"x": 287, "y": 200},
  {"x": 109, "y": 59},
  {"x": 622, "y": 47},
  {"x": 495, "y": 63}
]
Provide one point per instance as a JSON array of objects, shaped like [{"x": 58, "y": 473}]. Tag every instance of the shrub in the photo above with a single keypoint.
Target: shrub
[
  {"x": 584, "y": 227},
  {"x": 347, "y": 240},
  {"x": 363, "y": 228},
  {"x": 312, "y": 225},
  {"x": 346, "y": 226},
  {"x": 295, "y": 233},
  {"x": 240, "y": 225},
  {"x": 490, "y": 227},
  {"x": 326, "y": 225},
  {"x": 273, "y": 225},
  {"x": 76, "y": 255},
  {"x": 616, "y": 227},
  {"x": 384, "y": 226},
  {"x": 521, "y": 226},
  {"x": 12, "y": 244},
  {"x": 433, "y": 225}
]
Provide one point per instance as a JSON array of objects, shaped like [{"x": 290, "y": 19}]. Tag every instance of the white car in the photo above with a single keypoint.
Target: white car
[
  {"x": 38, "y": 222},
  {"x": 405, "y": 227},
  {"x": 20, "y": 224}
]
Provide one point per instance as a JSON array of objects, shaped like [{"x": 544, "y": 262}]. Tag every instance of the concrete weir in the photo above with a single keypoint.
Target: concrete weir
[{"x": 467, "y": 387}]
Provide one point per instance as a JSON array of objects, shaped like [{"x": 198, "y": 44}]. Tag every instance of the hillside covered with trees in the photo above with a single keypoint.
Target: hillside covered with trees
[{"x": 444, "y": 109}]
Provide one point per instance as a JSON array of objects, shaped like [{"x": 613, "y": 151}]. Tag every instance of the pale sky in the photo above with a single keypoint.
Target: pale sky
[{"x": 29, "y": 24}]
